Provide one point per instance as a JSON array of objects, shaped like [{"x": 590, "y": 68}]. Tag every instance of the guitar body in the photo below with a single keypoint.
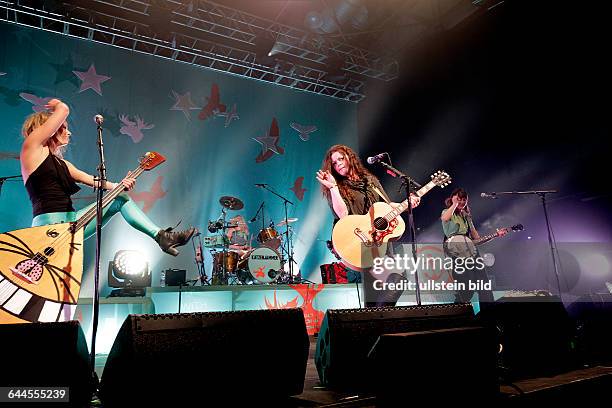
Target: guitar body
[
  {"x": 40, "y": 273},
  {"x": 41, "y": 267},
  {"x": 357, "y": 241}
]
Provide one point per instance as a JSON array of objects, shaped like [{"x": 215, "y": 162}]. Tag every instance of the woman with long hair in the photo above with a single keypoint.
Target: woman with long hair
[
  {"x": 350, "y": 189},
  {"x": 347, "y": 185},
  {"x": 50, "y": 180}
]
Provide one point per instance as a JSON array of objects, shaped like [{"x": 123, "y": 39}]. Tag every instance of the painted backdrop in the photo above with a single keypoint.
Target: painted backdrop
[{"x": 220, "y": 134}]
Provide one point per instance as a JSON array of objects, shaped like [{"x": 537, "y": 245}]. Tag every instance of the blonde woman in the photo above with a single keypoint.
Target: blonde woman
[{"x": 50, "y": 181}]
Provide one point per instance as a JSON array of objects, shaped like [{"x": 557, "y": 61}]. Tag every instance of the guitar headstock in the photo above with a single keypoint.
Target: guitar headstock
[
  {"x": 150, "y": 160},
  {"x": 441, "y": 179}
]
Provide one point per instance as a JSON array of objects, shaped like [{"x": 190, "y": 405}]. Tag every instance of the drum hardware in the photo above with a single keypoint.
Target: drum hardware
[
  {"x": 199, "y": 258},
  {"x": 231, "y": 203},
  {"x": 287, "y": 246},
  {"x": 221, "y": 262}
]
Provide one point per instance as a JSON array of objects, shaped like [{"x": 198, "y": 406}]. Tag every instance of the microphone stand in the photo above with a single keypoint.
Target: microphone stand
[
  {"x": 286, "y": 233},
  {"x": 551, "y": 241},
  {"x": 3, "y": 179},
  {"x": 101, "y": 178},
  {"x": 409, "y": 184}
]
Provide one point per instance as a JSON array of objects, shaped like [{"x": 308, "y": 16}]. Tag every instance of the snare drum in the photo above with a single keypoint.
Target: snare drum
[
  {"x": 269, "y": 237},
  {"x": 265, "y": 265},
  {"x": 231, "y": 261}
]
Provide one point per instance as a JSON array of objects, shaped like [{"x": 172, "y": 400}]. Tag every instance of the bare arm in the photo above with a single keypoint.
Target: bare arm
[
  {"x": 338, "y": 203},
  {"x": 329, "y": 182},
  {"x": 448, "y": 213},
  {"x": 81, "y": 177}
]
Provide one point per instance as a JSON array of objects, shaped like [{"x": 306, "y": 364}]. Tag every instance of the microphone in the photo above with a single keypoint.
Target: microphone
[
  {"x": 376, "y": 158},
  {"x": 99, "y": 119},
  {"x": 253, "y": 219},
  {"x": 489, "y": 195}
]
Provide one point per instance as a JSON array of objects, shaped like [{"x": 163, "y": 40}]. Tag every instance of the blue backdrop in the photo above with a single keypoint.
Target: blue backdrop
[{"x": 151, "y": 104}]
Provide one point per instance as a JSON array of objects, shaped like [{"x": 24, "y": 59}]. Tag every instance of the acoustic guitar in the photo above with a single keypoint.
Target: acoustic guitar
[{"x": 358, "y": 239}]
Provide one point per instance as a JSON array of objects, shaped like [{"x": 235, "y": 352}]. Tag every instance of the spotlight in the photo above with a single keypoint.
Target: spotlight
[{"x": 130, "y": 272}]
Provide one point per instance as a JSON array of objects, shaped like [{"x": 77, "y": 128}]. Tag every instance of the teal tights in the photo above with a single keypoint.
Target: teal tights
[{"x": 123, "y": 204}]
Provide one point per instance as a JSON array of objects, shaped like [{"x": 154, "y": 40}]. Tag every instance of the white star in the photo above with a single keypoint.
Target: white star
[
  {"x": 91, "y": 79},
  {"x": 184, "y": 103},
  {"x": 267, "y": 143}
]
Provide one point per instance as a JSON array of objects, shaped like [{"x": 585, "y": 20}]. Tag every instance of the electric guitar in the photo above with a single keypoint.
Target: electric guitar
[
  {"x": 461, "y": 246},
  {"x": 358, "y": 239},
  {"x": 41, "y": 267}
]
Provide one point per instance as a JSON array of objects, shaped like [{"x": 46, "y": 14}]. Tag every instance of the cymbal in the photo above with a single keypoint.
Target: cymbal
[
  {"x": 231, "y": 203},
  {"x": 289, "y": 220}
]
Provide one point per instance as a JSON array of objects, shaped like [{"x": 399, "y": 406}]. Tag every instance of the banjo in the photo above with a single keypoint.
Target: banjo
[{"x": 461, "y": 246}]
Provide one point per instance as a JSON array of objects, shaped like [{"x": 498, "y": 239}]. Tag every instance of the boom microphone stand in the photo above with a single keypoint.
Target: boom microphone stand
[
  {"x": 3, "y": 179},
  {"x": 551, "y": 241}
]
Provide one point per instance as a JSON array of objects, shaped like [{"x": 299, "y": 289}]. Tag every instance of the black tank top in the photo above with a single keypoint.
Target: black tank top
[{"x": 50, "y": 187}]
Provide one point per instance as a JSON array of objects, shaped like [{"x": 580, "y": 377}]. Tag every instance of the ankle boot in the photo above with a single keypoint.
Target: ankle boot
[{"x": 168, "y": 240}]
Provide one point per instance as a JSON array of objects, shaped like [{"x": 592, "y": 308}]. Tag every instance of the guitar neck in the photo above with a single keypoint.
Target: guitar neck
[
  {"x": 486, "y": 238},
  {"x": 106, "y": 200},
  {"x": 404, "y": 204}
]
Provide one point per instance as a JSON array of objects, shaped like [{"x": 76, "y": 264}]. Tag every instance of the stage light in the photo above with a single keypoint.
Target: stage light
[{"x": 129, "y": 271}]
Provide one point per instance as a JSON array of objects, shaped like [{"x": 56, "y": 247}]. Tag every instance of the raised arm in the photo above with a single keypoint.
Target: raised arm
[
  {"x": 448, "y": 213},
  {"x": 338, "y": 204},
  {"x": 39, "y": 136}
]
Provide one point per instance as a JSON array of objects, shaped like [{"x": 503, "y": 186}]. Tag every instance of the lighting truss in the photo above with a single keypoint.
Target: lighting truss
[{"x": 124, "y": 32}]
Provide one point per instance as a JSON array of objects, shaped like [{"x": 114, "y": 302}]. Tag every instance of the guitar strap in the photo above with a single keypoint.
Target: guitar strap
[{"x": 380, "y": 194}]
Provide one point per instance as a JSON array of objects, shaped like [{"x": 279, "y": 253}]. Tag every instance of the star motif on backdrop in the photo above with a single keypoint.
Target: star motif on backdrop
[
  {"x": 297, "y": 188},
  {"x": 10, "y": 96},
  {"x": 91, "y": 80},
  {"x": 269, "y": 143},
  {"x": 64, "y": 72},
  {"x": 184, "y": 103},
  {"x": 23, "y": 35}
]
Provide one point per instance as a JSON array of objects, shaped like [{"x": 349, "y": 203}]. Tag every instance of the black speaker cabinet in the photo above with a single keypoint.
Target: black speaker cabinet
[
  {"x": 456, "y": 366},
  {"x": 348, "y": 335},
  {"x": 195, "y": 358},
  {"x": 47, "y": 355}
]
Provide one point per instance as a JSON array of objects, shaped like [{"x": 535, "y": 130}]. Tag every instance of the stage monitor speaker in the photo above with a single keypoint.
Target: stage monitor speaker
[
  {"x": 536, "y": 335},
  {"x": 44, "y": 355},
  {"x": 457, "y": 366},
  {"x": 347, "y": 336},
  {"x": 592, "y": 315},
  {"x": 191, "y": 359}
]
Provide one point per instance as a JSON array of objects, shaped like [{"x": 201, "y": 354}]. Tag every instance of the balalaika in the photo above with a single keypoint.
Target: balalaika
[
  {"x": 41, "y": 267},
  {"x": 358, "y": 239}
]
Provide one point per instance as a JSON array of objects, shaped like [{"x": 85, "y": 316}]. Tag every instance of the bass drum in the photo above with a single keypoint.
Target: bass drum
[{"x": 264, "y": 265}]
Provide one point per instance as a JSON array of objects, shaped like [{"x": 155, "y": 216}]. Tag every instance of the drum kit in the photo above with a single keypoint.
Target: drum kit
[{"x": 235, "y": 260}]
